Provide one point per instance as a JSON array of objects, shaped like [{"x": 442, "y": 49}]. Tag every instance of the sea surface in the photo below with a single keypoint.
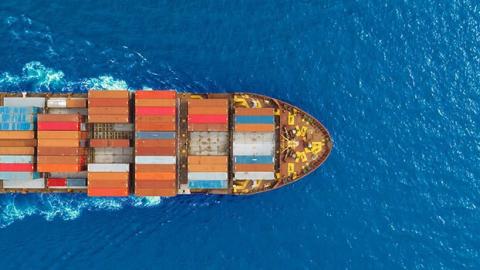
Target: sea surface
[{"x": 395, "y": 82}]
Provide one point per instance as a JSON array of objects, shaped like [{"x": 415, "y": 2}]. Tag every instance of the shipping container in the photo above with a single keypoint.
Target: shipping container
[
  {"x": 254, "y": 175},
  {"x": 24, "y": 102},
  {"x": 254, "y": 111},
  {"x": 208, "y": 184},
  {"x": 206, "y": 119},
  {"x": 97, "y": 158},
  {"x": 27, "y": 118},
  {"x": 76, "y": 182},
  {"x": 101, "y": 102},
  {"x": 56, "y": 182},
  {"x": 18, "y": 143},
  {"x": 164, "y": 192},
  {"x": 155, "y": 184},
  {"x": 254, "y": 159},
  {"x": 254, "y": 127},
  {"x": 19, "y": 110},
  {"x": 23, "y": 176},
  {"x": 107, "y": 192},
  {"x": 122, "y": 127},
  {"x": 254, "y": 119},
  {"x": 108, "y": 94},
  {"x": 155, "y": 135},
  {"x": 24, "y": 183},
  {"x": 59, "y": 167},
  {"x": 17, "y": 135},
  {"x": 16, "y": 167},
  {"x": 17, "y": 150},
  {"x": 111, "y": 167},
  {"x": 60, "y": 102},
  {"x": 155, "y": 111},
  {"x": 207, "y": 127},
  {"x": 72, "y": 135},
  {"x": 156, "y": 151},
  {"x": 61, "y": 160},
  {"x": 109, "y": 143},
  {"x": 172, "y": 168},
  {"x": 207, "y": 176},
  {"x": 155, "y": 159},
  {"x": 100, "y": 176},
  {"x": 199, "y": 160},
  {"x": 66, "y": 126},
  {"x": 61, "y": 151},
  {"x": 155, "y": 143},
  {"x": 257, "y": 149},
  {"x": 207, "y": 168},
  {"x": 60, "y": 143},
  {"x": 109, "y": 110},
  {"x": 76, "y": 103},
  {"x": 61, "y": 118},
  {"x": 113, "y": 151},
  {"x": 160, "y": 176},
  {"x": 254, "y": 167},
  {"x": 155, "y": 102},
  {"x": 16, "y": 159},
  {"x": 23, "y": 126},
  {"x": 94, "y": 118},
  {"x": 155, "y": 118},
  {"x": 207, "y": 103},
  {"x": 152, "y": 126},
  {"x": 162, "y": 94},
  {"x": 208, "y": 110},
  {"x": 107, "y": 183}
]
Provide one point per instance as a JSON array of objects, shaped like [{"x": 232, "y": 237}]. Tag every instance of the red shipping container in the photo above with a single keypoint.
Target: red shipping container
[
  {"x": 74, "y": 126},
  {"x": 155, "y": 110},
  {"x": 56, "y": 182},
  {"x": 167, "y": 94},
  {"x": 204, "y": 119},
  {"x": 16, "y": 167},
  {"x": 154, "y": 126}
]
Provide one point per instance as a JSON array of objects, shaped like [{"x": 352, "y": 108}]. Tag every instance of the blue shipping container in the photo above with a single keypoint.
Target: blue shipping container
[
  {"x": 30, "y": 118},
  {"x": 17, "y": 126},
  {"x": 254, "y": 119},
  {"x": 16, "y": 159},
  {"x": 19, "y": 110},
  {"x": 155, "y": 135},
  {"x": 207, "y": 184},
  {"x": 19, "y": 175},
  {"x": 253, "y": 159},
  {"x": 76, "y": 182}
]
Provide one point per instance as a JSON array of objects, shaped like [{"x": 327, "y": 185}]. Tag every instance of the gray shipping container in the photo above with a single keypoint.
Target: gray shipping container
[
  {"x": 24, "y": 183},
  {"x": 109, "y": 167},
  {"x": 24, "y": 102},
  {"x": 207, "y": 176}
]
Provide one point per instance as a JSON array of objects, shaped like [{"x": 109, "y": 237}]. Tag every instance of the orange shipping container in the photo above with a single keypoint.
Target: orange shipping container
[
  {"x": 207, "y": 168},
  {"x": 62, "y": 135},
  {"x": 108, "y": 176},
  {"x": 17, "y": 135},
  {"x": 254, "y": 167},
  {"x": 155, "y": 102},
  {"x": 207, "y": 103},
  {"x": 17, "y": 151},
  {"x": 109, "y": 143},
  {"x": 61, "y": 160},
  {"x": 254, "y": 127},
  {"x": 155, "y": 119},
  {"x": 60, "y": 118},
  {"x": 221, "y": 160},
  {"x": 96, "y": 118},
  {"x": 155, "y": 143},
  {"x": 103, "y": 102},
  {"x": 152, "y": 126},
  {"x": 207, "y": 127},
  {"x": 107, "y": 183},
  {"x": 59, "y": 143},
  {"x": 155, "y": 151},
  {"x": 18, "y": 143},
  {"x": 61, "y": 151},
  {"x": 110, "y": 94},
  {"x": 254, "y": 111},
  {"x": 155, "y": 184},
  {"x": 208, "y": 110},
  {"x": 107, "y": 192},
  {"x": 156, "y": 192},
  {"x": 59, "y": 168},
  {"x": 171, "y": 168},
  {"x": 76, "y": 103},
  {"x": 160, "y": 176},
  {"x": 108, "y": 110}
]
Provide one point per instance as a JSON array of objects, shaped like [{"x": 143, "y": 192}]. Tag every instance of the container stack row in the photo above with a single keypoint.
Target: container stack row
[
  {"x": 17, "y": 144},
  {"x": 155, "y": 143},
  {"x": 110, "y": 150},
  {"x": 254, "y": 144},
  {"x": 208, "y": 144}
]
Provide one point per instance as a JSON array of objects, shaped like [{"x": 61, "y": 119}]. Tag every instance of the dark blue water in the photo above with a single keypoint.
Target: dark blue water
[{"x": 395, "y": 82}]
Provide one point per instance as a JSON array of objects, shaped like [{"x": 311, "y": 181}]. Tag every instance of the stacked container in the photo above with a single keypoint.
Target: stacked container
[
  {"x": 208, "y": 133},
  {"x": 109, "y": 172},
  {"x": 155, "y": 143},
  {"x": 254, "y": 144},
  {"x": 17, "y": 143}
]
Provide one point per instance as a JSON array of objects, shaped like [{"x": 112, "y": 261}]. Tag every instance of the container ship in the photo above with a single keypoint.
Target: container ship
[{"x": 155, "y": 143}]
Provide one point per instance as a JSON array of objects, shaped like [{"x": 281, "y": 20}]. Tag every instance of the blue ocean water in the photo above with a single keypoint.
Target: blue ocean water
[{"x": 395, "y": 82}]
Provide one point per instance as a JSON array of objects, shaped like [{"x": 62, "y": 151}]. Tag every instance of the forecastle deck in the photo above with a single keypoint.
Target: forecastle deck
[{"x": 155, "y": 143}]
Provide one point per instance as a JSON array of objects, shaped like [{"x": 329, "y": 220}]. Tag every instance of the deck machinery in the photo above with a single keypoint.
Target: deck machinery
[{"x": 155, "y": 143}]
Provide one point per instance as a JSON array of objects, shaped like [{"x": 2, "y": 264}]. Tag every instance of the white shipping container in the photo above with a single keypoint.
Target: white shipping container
[
  {"x": 155, "y": 159},
  {"x": 16, "y": 159},
  {"x": 123, "y": 127},
  {"x": 113, "y": 151},
  {"x": 80, "y": 111},
  {"x": 207, "y": 176},
  {"x": 24, "y": 183},
  {"x": 260, "y": 149},
  {"x": 113, "y": 158},
  {"x": 253, "y": 137},
  {"x": 24, "y": 102},
  {"x": 57, "y": 102},
  {"x": 108, "y": 167},
  {"x": 254, "y": 176}
]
